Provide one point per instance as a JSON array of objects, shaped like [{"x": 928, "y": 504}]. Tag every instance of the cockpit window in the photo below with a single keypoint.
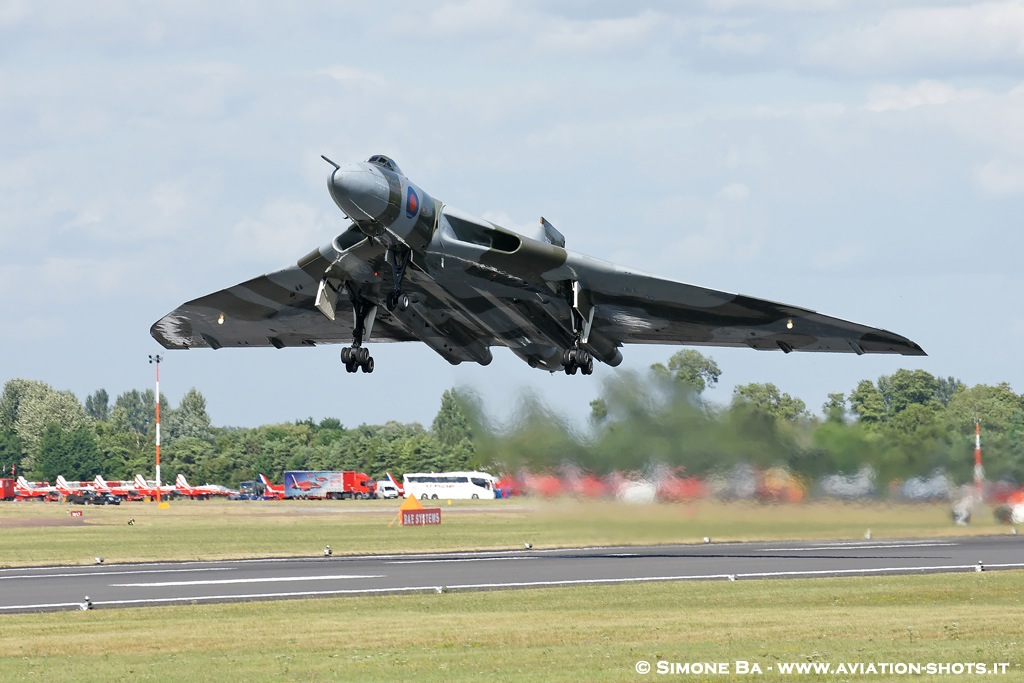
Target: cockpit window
[{"x": 385, "y": 162}]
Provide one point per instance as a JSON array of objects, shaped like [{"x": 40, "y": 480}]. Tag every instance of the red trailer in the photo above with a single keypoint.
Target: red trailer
[
  {"x": 336, "y": 485},
  {"x": 7, "y": 489}
]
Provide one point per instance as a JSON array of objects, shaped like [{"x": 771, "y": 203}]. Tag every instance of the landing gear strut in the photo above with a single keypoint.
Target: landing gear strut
[
  {"x": 357, "y": 356},
  {"x": 398, "y": 259},
  {"x": 581, "y": 313},
  {"x": 577, "y": 358}
]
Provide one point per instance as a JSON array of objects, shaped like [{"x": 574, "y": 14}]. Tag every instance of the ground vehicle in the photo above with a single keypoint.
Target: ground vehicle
[
  {"x": 449, "y": 485},
  {"x": 333, "y": 485},
  {"x": 7, "y": 489},
  {"x": 385, "y": 489},
  {"x": 93, "y": 498}
]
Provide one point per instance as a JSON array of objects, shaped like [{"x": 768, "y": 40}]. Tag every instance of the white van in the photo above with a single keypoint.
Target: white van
[{"x": 385, "y": 489}]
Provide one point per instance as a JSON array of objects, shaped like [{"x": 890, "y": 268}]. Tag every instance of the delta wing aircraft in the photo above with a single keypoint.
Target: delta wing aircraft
[{"x": 411, "y": 268}]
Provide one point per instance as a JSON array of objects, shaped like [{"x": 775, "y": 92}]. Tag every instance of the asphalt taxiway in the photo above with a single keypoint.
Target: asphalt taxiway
[{"x": 36, "y": 589}]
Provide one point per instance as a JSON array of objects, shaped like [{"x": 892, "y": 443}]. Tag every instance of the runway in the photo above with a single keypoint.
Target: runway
[{"x": 38, "y": 589}]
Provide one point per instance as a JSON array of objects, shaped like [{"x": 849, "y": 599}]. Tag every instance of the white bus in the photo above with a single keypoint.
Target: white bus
[{"x": 434, "y": 485}]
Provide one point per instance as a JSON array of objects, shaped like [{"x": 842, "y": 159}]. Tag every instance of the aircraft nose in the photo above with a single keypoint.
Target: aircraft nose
[{"x": 360, "y": 191}]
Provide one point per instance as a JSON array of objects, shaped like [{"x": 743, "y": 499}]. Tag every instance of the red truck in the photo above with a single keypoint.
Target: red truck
[
  {"x": 333, "y": 485},
  {"x": 7, "y": 489}
]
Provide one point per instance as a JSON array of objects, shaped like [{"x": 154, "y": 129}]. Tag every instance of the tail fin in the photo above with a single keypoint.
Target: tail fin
[
  {"x": 99, "y": 482},
  {"x": 180, "y": 482},
  {"x": 62, "y": 482},
  {"x": 140, "y": 482},
  {"x": 22, "y": 483},
  {"x": 264, "y": 480}
]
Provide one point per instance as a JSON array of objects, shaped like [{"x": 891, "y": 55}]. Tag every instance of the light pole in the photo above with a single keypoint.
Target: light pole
[{"x": 155, "y": 360}]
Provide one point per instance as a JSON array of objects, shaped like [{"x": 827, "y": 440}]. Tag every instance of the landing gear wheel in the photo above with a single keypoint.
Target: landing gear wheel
[
  {"x": 362, "y": 354},
  {"x": 588, "y": 367},
  {"x": 368, "y": 365},
  {"x": 346, "y": 355},
  {"x": 403, "y": 302},
  {"x": 351, "y": 366}
]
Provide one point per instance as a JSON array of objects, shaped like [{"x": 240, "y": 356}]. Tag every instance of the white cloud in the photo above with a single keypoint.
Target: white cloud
[
  {"x": 743, "y": 44},
  {"x": 999, "y": 178},
  {"x": 283, "y": 232},
  {"x": 979, "y": 36},
  {"x": 921, "y": 94},
  {"x": 349, "y": 74},
  {"x": 838, "y": 258},
  {"x": 734, "y": 192}
]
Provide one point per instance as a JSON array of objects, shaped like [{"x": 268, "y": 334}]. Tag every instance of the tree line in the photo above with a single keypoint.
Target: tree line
[
  {"x": 905, "y": 424},
  {"x": 45, "y": 432}
]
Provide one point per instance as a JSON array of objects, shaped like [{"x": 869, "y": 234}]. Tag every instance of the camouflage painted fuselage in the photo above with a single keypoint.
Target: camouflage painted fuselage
[{"x": 472, "y": 285}]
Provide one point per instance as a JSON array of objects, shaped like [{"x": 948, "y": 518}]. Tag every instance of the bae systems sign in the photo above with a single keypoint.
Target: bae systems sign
[{"x": 421, "y": 517}]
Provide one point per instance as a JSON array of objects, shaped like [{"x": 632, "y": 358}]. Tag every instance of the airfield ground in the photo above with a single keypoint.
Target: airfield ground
[
  {"x": 46, "y": 533},
  {"x": 594, "y": 633}
]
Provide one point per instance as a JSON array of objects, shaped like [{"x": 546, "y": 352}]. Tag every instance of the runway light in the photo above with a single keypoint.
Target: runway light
[
  {"x": 441, "y": 589},
  {"x": 980, "y": 567},
  {"x": 867, "y": 534},
  {"x": 707, "y": 539},
  {"x": 528, "y": 545},
  {"x": 99, "y": 560},
  {"x": 327, "y": 551},
  {"x": 86, "y": 604}
]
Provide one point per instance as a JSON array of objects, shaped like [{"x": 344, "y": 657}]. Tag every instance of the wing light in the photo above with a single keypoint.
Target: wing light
[
  {"x": 220, "y": 319},
  {"x": 789, "y": 324}
]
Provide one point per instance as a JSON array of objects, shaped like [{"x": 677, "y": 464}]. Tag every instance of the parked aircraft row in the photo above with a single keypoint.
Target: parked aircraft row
[{"x": 136, "y": 489}]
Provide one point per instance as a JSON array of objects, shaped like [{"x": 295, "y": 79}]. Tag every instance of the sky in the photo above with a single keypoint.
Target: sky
[{"x": 861, "y": 158}]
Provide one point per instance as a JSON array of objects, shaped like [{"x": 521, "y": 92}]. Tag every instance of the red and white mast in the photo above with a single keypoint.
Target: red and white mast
[
  {"x": 979, "y": 471},
  {"x": 156, "y": 360}
]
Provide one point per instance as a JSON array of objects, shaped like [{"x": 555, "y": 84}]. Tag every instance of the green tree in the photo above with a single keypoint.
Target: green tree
[
  {"x": 11, "y": 452},
  {"x": 135, "y": 411},
  {"x": 118, "y": 450},
  {"x": 189, "y": 419},
  {"x": 452, "y": 430},
  {"x": 768, "y": 398},
  {"x": 190, "y": 456},
  {"x": 598, "y": 411},
  {"x": 834, "y": 409},
  {"x": 38, "y": 404},
  {"x": 692, "y": 369},
  {"x": 867, "y": 403},
  {"x": 70, "y": 453},
  {"x": 97, "y": 405},
  {"x": 909, "y": 387}
]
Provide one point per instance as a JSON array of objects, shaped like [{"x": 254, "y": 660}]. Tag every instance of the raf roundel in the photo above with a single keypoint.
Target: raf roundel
[{"x": 412, "y": 204}]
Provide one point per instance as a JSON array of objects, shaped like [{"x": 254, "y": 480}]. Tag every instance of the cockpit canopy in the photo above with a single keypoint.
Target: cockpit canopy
[{"x": 385, "y": 162}]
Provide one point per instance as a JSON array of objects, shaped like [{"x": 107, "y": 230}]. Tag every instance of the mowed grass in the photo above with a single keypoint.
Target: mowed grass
[
  {"x": 592, "y": 633},
  {"x": 45, "y": 534},
  {"x": 587, "y": 633}
]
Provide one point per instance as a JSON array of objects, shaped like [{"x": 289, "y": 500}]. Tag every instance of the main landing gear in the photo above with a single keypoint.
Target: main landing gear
[
  {"x": 357, "y": 356},
  {"x": 398, "y": 259},
  {"x": 577, "y": 358}
]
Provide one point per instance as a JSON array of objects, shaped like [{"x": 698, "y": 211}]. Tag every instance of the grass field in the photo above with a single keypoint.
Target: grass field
[
  {"x": 587, "y": 633},
  {"x": 44, "y": 533},
  {"x": 593, "y": 633}
]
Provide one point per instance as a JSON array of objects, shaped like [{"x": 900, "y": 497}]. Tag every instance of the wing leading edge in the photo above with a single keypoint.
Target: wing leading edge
[
  {"x": 277, "y": 309},
  {"x": 634, "y": 308}
]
